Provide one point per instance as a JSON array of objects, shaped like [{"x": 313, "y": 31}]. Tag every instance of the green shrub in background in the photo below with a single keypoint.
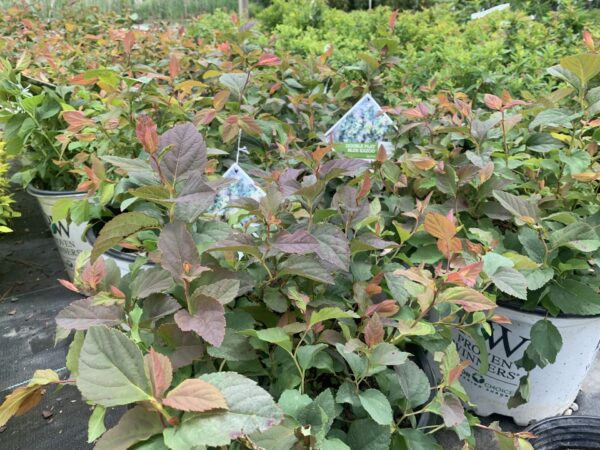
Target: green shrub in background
[
  {"x": 436, "y": 45},
  {"x": 6, "y": 211}
]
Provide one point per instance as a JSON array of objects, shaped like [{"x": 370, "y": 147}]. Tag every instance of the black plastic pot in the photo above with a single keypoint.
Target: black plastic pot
[{"x": 566, "y": 433}]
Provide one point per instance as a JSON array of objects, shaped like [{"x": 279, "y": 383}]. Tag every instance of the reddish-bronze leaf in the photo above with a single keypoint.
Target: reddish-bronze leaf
[
  {"x": 220, "y": 99},
  {"x": 160, "y": 372},
  {"x": 439, "y": 226},
  {"x": 454, "y": 245},
  {"x": 456, "y": 371},
  {"x": 68, "y": 285},
  {"x": 374, "y": 332},
  {"x": 468, "y": 298},
  {"x": 268, "y": 59},
  {"x": 174, "y": 66},
  {"x": 128, "y": 41},
  {"x": 466, "y": 276},
  {"x": 76, "y": 120},
  {"x": 386, "y": 308},
  {"x": 493, "y": 102},
  {"x": 195, "y": 395}
]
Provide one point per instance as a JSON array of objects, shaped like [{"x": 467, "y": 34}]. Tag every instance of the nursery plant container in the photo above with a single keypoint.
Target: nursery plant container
[
  {"x": 69, "y": 237},
  {"x": 562, "y": 433},
  {"x": 552, "y": 389}
]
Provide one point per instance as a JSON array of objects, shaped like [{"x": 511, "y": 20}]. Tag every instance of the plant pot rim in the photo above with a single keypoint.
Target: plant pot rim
[
  {"x": 515, "y": 305},
  {"x": 91, "y": 236},
  {"x": 36, "y": 192}
]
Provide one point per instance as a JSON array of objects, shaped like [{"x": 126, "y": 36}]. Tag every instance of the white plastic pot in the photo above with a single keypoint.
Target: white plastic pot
[
  {"x": 552, "y": 389},
  {"x": 69, "y": 237}
]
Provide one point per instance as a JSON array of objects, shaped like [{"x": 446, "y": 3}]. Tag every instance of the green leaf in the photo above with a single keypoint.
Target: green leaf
[
  {"x": 119, "y": 228},
  {"x": 358, "y": 364},
  {"x": 111, "y": 369},
  {"x": 493, "y": 261},
  {"x": 542, "y": 143},
  {"x": 532, "y": 244},
  {"x": 511, "y": 282},
  {"x": 418, "y": 440},
  {"x": 74, "y": 352},
  {"x": 307, "y": 267},
  {"x": 377, "y": 405},
  {"x": 334, "y": 444},
  {"x": 307, "y": 353},
  {"x": 414, "y": 383},
  {"x": 328, "y": 313},
  {"x": 523, "y": 209},
  {"x": 553, "y": 118},
  {"x": 579, "y": 235},
  {"x": 364, "y": 434},
  {"x": 585, "y": 66},
  {"x": 573, "y": 297},
  {"x": 224, "y": 291},
  {"x": 234, "y": 348},
  {"x": 136, "y": 425},
  {"x": 150, "y": 281},
  {"x": 545, "y": 343},
  {"x": 385, "y": 354},
  {"x": 96, "y": 426},
  {"x": 280, "y": 437},
  {"x": 537, "y": 279},
  {"x": 292, "y": 402},
  {"x": 273, "y": 335},
  {"x": 251, "y": 410},
  {"x": 319, "y": 414}
]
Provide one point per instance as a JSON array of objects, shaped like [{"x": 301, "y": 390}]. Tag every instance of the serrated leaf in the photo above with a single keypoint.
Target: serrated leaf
[
  {"x": 179, "y": 254},
  {"x": 186, "y": 154},
  {"x": 374, "y": 331},
  {"x": 119, "y": 228},
  {"x": 377, "y": 405},
  {"x": 439, "y": 226},
  {"x": 365, "y": 434},
  {"x": 136, "y": 425},
  {"x": 82, "y": 314},
  {"x": 511, "y": 282},
  {"x": 386, "y": 354},
  {"x": 585, "y": 66},
  {"x": 160, "y": 372},
  {"x": 208, "y": 320},
  {"x": 111, "y": 369},
  {"x": 150, "y": 281},
  {"x": 251, "y": 410},
  {"x": 307, "y": 267},
  {"x": 523, "y": 209},
  {"x": 279, "y": 437},
  {"x": 536, "y": 279},
  {"x": 573, "y": 297},
  {"x": 224, "y": 291},
  {"x": 298, "y": 242},
  {"x": 418, "y": 440},
  {"x": 545, "y": 343},
  {"x": 414, "y": 383},
  {"x": 328, "y": 313},
  {"x": 307, "y": 353},
  {"x": 452, "y": 410},
  {"x": 468, "y": 298},
  {"x": 195, "y": 395},
  {"x": 333, "y": 245}
]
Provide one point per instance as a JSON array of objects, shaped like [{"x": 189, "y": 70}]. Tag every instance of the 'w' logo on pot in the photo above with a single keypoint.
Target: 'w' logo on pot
[
  {"x": 503, "y": 335},
  {"x": 61, "y": 227}
]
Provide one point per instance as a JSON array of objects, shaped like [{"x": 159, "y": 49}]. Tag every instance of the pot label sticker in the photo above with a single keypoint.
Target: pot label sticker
[
  {"x": 243, "y": 186},
  {"x": 362, "y": 130},
  {"x": 504, "y": 348}
]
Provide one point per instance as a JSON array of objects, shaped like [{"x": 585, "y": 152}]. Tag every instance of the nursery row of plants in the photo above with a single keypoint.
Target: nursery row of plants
[{"x": 354, "y": 303}]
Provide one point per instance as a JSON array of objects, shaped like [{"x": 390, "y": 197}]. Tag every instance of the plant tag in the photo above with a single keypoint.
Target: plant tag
[
  {"x": 362, "y": 130},
  {"x": 244, "y": 186}
]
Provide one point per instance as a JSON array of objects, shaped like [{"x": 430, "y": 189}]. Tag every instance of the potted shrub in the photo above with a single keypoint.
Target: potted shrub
[
  {"x": 524, "y": 185},
  {"x": 6, "y": 210},
  {"x": 294, "y": 332}
]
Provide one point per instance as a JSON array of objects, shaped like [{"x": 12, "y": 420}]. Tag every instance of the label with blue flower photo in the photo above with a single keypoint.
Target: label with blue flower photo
[
  {"x": 362, "y": 130},
  {"x": 243, "y": 186}
]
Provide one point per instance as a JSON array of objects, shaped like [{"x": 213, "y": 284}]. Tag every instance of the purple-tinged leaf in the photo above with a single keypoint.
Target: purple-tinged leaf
[
  {"x": 186, "y": 152},
  {"x": 157, "y": 306},
  {"x": 288, "y": 181},
  {"x": 307, "y": 267},
  {"x": 179, "y": 254},
  {"x": 334, "y": 247},
  {"x": 237, "y": 242},
  {"x": 346, "y": 167},
  {"x": 208, "y": 320},
  {"x": 82, "y": 314},
  {"x": 452, "y": 411},
  {"x": 299, "y": 242},
  {"x": 186, "y": 346}
]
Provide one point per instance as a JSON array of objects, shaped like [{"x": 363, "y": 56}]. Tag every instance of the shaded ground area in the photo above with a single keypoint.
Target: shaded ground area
[{"x": 30, "y": 298}]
